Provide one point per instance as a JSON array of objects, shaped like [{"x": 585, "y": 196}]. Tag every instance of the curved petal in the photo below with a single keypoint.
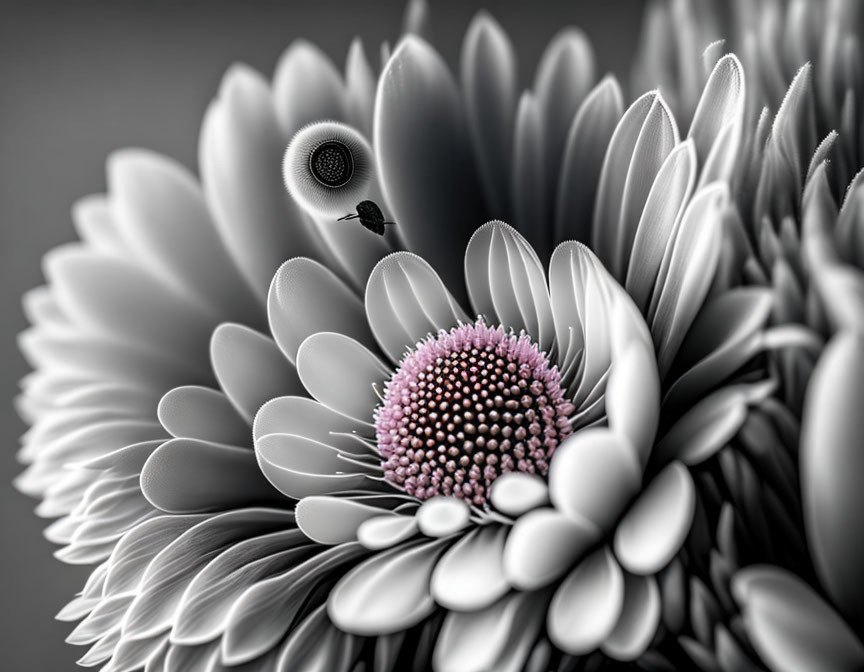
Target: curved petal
[
  {"x": 640, "y": 617},
  {"x": 654, "y": 528},
  {"x": 499, "y": 637},
  {"x": 643, "y": 139},
  {"x": 386, "y": 531},
  {"x": 305, "y": 417},
  {"x": 160, "y": 210},
  {"x": 582, "y": 162},
  {"x": 195, "y": 412},
  {"x": 489, "y": 82},
  {"x": 470, "y": 575},
  {"x": 342, "y": 374},
  {"x": 418, "y": 113},
  {"x": 507, "y": 284},
  {"x": 306, "y": 298},
  {"x": 250, "y": 368},
  {"x": 330, "y": 520},
  {"x": 593, "y": 475},
  {"x": 792, "y": 628},
  {"x": 517, "y": 492},
  {"x": 406, "y": 301},
  {"x": 442, "y": 516},
  {"x": 542, "y": 546},
  {"x": 831, "y": 467},
  {"x": 721, "y": 104},
  {"x": 387, "y": 593},
  {"x": 587, "y": 605},
  {"x": 191, "y": 476}
]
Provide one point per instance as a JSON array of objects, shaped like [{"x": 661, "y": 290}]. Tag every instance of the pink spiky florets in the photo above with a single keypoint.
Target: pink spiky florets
[{"x": 465, "y": 407}]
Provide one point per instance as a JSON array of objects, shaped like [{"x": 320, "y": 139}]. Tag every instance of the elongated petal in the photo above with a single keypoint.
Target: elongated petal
[
  {"x": 499, "y": 637},
  {"x": 191, "y": 476},
  {"x": 305, "y": 417},
  {"x": 250, "y": 368},
  {"x": 506, "y": 282},
  {"x": 792, "y": 628},
  {"x": 721, "y": 104},
  {"x": 831, "y": 468},
  {"x": 195, "y": 412},
  {"x": 470, "y": 575},
  {"x": 582, "y": 161},
  {"x": 489, "y": 79},
  {"x": 406, "y": 301},
  {"x": 306, "y": 88},
  {"x": 306, "y": 298},
  {"x": 330, "y": 520},
  {"x": 342, "y": 374},
  {"x": 587, "y": 605},
  {"x": 640, "y": 617},
  {"x": 387, "y": 593},
  {"x": 654, "y": 528},
  {"x": 418, "y": 114}
]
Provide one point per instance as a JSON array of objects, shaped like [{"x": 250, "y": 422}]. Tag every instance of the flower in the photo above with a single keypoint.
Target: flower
[{"x": 249, "y": 464}]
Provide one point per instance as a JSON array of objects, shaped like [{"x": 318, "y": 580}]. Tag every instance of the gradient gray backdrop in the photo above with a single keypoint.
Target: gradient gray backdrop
[{"x": 78, "y": 80}]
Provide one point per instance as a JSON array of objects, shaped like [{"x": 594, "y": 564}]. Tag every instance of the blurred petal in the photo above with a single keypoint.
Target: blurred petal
[
  {"x": 640, "y": 617},
  {"x": 470, "y": 575},
  {"x": 442, "y": 516},
  {"x": 517, "y": 492},
  {"x": 330, "y": 520}
]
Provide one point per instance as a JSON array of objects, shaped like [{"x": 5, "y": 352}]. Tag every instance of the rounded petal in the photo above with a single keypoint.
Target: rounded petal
[
  {"x": 832, "y": 464},
  {"x": 640, "y": 617},
  {"x": 542, "y": 546},
  {"x": 593, "y": 475},
  {"x": 470, "y": 575},
  {"x": 307, "y": 298},
  {"x": 383, "y": 532},
  {"x": 342, "y": 374},
  {"x": 195, "y": 412},
  {"x": 331, "y": 520},
  {"x": 587, "y": 605},
  {"x": 654, "y": 528},
  {"x": 442, "y": 516},
  {"x": 387, "y": 593},
  {"x": 406, "y": 301},
  {"x": 517, "y": 492},
  {"x": 792, "y": 628}
]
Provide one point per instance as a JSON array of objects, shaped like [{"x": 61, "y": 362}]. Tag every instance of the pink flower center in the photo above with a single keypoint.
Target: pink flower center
[{"x": 467, "y": 406}]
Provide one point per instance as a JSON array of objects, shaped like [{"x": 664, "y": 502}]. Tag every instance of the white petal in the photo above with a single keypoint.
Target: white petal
[
  {"x": 96, "y": 225},
  {"x": 342, "y": 374},
  {"x": 385, "y": 531},
  {"x": 250, "y": 368},
  {"x": 643, "y": 139},
  {"x": 831, "y": 467},
  {"x": 300, "y": 467},
  {"x": 406, "y": 301},
  {"x": 307, "y": 298},
  {"x": 240, "y": 158},
  {"x": 306, "y": 88},
  {"x": 663, "y": 209},
  {"x": 640, "y": 617},
  {"x": 359, "y": 89},
  {"x": 529, "y": 184},
  {"x": 387, "y": 593},
  {"x": 442, "y": 516},
  {"x": 305, "y": 417},
  {"x": 792, "y": 628},
  {"x": 111, "y": 297},
  {"x": 195, "y": 412},
  {"x": 470, "y": 575},
  {"x": 190, "y": 476},
  {"x": 654, "y": 528},
  {"x": 517, "y": 492},
  {"x": 498, "y": 638},
  {"x": 692, "y": 260},
  {"x": 489, "y": 81},
  {"x": 708, "y": 425},
  {"x": 161, "y": 211},
  {"x": 586, "y": 145},
  {"x": 542, "y": 546},
  {"x": 506, "y": 282},
  {"x": 593, "y": 475},
  {"x": 721, "y": 104},
  {"x": 633, "y": 395},
  {"x": 587, "y": 605},
  {"x": 418, "y": 113},
  {"x": 330, "y": 520}
]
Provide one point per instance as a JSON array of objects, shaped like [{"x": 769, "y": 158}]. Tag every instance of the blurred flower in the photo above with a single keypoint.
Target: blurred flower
[{"x": 254, "y": 416}]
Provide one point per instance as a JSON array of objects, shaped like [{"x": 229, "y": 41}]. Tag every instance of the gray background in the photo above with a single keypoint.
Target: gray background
[{"x": 78, "y": 80}]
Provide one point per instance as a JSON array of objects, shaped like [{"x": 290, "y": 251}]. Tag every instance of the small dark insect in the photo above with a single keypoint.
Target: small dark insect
[{"x": 370, "y": 217}]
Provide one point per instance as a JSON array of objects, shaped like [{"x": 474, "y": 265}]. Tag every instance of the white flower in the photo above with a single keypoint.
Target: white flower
[{"x": 639, "y": 351}]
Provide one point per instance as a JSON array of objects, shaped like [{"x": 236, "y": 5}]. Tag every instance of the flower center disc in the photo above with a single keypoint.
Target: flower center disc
[{"x": 467, "y": 406}]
